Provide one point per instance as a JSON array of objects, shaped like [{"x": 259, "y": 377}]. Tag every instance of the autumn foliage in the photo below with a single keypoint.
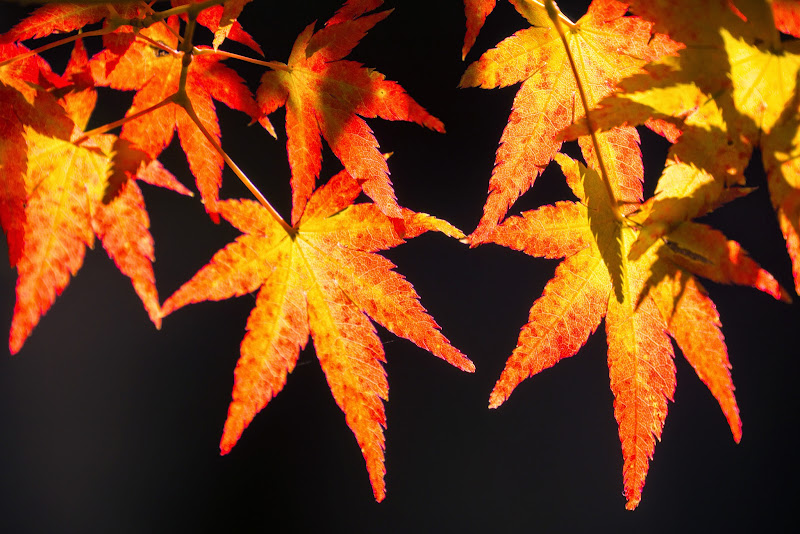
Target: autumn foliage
[{"x": 717, "y": 79}]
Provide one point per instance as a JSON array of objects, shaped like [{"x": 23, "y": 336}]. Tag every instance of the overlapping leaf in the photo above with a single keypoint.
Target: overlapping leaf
[
  {"x": 733, "y": 87},
  {"x": 658, "y": 298},
  {"x": 322, "y": 279},
  {"x": 329, "y": 97},
  {"x": 132, "y": 62},
  {"x": 22, "y": 102},
  {"x": 704, "y": 166},
  {"x": 65, "y": 178},
  {"x": 607, "y": 46}
]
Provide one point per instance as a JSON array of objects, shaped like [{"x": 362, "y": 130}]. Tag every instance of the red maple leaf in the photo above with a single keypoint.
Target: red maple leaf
[
  {"x": 222, "y": 20},
  {"x": 326, "y": 96},
  {"x": 23, "y": 102},
  {"x": 63, "y": 18}
]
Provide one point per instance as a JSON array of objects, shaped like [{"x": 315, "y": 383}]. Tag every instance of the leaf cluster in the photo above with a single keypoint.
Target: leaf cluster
[
  {"x": 717, "y": 79},
  {"x": 716, "y": 91}
]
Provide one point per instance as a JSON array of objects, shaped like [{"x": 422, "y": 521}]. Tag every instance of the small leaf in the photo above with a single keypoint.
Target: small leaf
[{"x": 326, "y": 96}]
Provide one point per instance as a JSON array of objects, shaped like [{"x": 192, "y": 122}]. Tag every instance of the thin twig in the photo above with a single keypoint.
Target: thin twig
[
  {"x": 274, "y": 65},
  {"x": 236, "y": 170},
  {"x": 182, "y": 99},
  {"x": 65, "y": 40},
  {"x": 157, "y": 44},
  {"x": 111, "y": 125}
]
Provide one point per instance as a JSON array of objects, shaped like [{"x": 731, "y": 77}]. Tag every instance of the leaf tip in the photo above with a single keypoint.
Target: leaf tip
[
  {"x": 166, "y": 309},
  {"x": 467, "y": 365},
  {"x": 496, "y": 399},
  {"x": 14, "y": 345},
  {"x": 633, "y": 502},
  {"x": 228, "y": 440},
  {"x": 479, "y": 237},
  {"x": 265, "y": 122}
]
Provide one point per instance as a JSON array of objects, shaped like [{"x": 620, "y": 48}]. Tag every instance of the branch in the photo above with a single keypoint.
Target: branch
[
  {"x": 111, "y": 125},
  {"x": 54, "y": 44},
  {"x": 182, "y": 99},
  {"x": 274, "y": 65}
]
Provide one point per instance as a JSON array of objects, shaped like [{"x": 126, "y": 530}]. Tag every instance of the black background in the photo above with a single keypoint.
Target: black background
[{"x": 111, "y": 426}]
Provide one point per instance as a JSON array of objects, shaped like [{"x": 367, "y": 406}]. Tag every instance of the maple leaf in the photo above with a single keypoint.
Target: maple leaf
[
  {"x": 65, "y": 184},
  {"x": 64, "y": 178},
  {"x": 132, "y": 63},
  {"x": 733, "y": 87},
  {"x": 326, "y": 96},
  {"x": 781, "y": 152},
  {"x": 322, "y": 279},
  {"x": 607, "y": 47},
  {"x": 353, "y": 9},
  {"x": 27, "y": 74},
  {"x": 659, "y": 297}
]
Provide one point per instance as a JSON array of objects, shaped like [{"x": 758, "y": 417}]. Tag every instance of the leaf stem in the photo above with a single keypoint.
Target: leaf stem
[
  {"x": 563, "y": 17},
  {"x": 553, "y": 13},
  {"x": 54, "y": 44},
  {"x": 111, "y": 125},
  {"x": 156, "y": 44},
  {"x": 187, "y": 105},
  {"x": 274, "y": 65},
  {"x": 182, "y": 99}
]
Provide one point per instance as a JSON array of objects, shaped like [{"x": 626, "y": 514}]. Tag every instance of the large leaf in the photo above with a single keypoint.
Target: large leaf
[
  {"x": 322, "y": 279},
  {"x": 657, "y": 297}
]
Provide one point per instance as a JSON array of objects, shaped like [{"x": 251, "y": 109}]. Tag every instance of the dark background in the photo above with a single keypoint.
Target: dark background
[{"x": 111, "y": 426}]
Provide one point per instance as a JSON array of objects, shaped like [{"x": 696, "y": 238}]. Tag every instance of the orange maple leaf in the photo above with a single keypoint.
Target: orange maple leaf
[
  {"x": 326, "y": 96},
  {"x": 607, "y": 46},
  {"x": 324, "y": 279},
  {"x": 65, "y": 178},
  {"x": 658, "y": 297},
  {"x": 132, "y": 62},
  {"x": 65, "y": 183}
]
